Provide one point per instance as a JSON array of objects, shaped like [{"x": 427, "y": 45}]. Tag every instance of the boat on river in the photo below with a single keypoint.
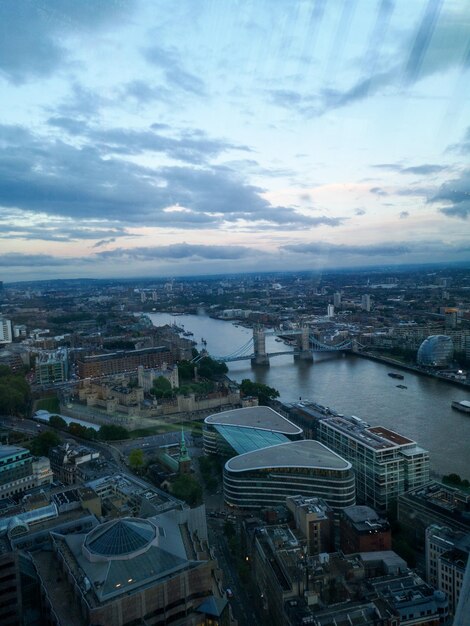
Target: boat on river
[
  {"x": 463, "y": 406},
  {"x": 402, "y": 386},
  {"x": 394, "y": 375}
]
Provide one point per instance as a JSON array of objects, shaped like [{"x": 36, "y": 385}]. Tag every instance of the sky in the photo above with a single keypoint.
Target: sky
[{"x": 185, "y": 137}]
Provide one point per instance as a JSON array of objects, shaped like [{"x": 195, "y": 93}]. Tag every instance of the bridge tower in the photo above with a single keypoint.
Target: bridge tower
[
  {"x": 259, "y": 343},
  {"x": 303, "y": 345}
]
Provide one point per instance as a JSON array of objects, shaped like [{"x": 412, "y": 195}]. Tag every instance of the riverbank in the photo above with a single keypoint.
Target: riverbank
[{"x": 412, "y": 368}]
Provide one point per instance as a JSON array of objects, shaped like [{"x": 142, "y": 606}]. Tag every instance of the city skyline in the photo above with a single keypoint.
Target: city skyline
[{"x": 256, "y": 136}]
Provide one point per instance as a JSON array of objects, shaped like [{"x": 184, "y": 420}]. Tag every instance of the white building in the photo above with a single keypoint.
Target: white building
[
  {"x": 146, "y": 377},
  {"x": 330, "y": 311},
  {"x": 447, "y": 554},
  {"x": 6, "y": 335},
  {"x": 365, "y": 302}
]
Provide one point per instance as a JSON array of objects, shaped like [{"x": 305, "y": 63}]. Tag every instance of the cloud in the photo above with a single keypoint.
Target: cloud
[
  {"x": 49, "y": 176},
  {"x": 439, "y": 42},
  {"x": 14, "y": 259},
  {"x": 33, "y": 34},
  {"x": 359, "y": 212},
  {"x": 378, "y": 191},
  {"x": 146, "y": 93},
  {"x": 462, "y": 147},
  {"x": 176, "y": 76},
  {"x": 72, "y": 126},
  {"x": 380, "y": 249},
  {"x": 455, "y": 195},
  {"x": 422, "y": 170},
  {"x": 395, "y": 252},
  {"x": 103, "y": 242},
  {"x": 404, "y": 215},
  {"x": 180, "y": 251}
]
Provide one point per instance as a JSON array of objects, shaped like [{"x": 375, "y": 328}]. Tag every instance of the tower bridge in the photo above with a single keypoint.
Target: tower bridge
[{"x": 306, "y": 344}]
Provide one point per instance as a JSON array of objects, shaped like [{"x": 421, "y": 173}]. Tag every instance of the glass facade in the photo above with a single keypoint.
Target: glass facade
[
  {"x": 264, "y": 487},
  {"x": 436, "y": 351}
]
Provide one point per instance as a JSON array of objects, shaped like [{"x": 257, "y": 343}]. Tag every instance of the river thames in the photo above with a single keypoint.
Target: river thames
[{"x": 351, "y": 385}]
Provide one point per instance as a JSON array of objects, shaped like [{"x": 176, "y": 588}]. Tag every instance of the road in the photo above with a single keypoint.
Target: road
[
  {"x": 241, "y": 603},
  {"x": 150, "y": 443}
]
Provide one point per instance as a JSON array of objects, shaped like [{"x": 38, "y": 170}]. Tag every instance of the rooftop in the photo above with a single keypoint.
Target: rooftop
[
  {"x": 392, "y": 436},
  {"x": 306, "y": 453},
  {"x": 122, "y": 354},
  {"x": 6, "y": 451},
  {"x": 120, "y": 538},
  {"x": 259, "y": 417},
  {"x": 375, "y": 437},
  {"x": 243, "y": 439}
]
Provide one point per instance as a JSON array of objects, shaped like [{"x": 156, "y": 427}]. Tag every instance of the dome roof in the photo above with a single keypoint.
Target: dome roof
[
  {"x": 120, "y": 538},
  {"x": 17, "y": 527},
  {"x": 436, "y": 351}
]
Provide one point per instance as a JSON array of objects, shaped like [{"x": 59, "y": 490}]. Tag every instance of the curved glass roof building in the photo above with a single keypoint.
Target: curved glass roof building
[
  {"x": 120, "y": 539},
  {"x": 265, "y": 477},
  {"x": 436, "y": 351},
  {"x": 269, "y": 460}
]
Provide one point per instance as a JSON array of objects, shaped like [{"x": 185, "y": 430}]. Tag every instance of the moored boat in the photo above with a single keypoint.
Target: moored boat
[{"x": 463, "y": 406}]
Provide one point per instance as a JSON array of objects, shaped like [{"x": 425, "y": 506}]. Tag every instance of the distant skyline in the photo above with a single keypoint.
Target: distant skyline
[{"x": 179, "y": 137}]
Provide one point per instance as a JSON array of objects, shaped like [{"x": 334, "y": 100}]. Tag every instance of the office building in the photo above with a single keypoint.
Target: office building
[
  {"x": 386, "y": 464},
  {"x": 447, "y": 553},
  {"x": 330, "y": 311},
  {"x": 67, "y": 459},
  {"x": 315, "y": 520},
  {"x": 337, "y": 299},
  {"x": 365, "y": 302},
  {"x": 243, "y": 430},
  {"x": 361, "y": 529},
  {"x": 413, "y": 600},
  {"x": 129, "y": 571},
  {"x": 266, "y": 477},
  {"x": 269, "y": 462},
  {"x": 436, "y": 351},
  {"x": 433, "y": 503},
  {"x": 52, "y": 367},
  {"x": 20, "y": 471}
]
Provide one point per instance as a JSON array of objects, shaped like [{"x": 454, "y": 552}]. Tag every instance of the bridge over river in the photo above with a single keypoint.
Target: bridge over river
[{"x": 306, "y": 344}]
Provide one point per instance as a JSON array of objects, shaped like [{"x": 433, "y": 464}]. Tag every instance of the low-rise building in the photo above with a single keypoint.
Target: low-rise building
[
  {"x": 20, "y": 471},
  {"x": 66, "y": 460},
  {"x": 146, "y": 377},
  {"x": 123, "y": 361},
  {"x": 434, "y": 503},
  {"x": 363, "y": 530},
  {"x": 446, "y": 554},
  {"x": 314, "y": 518}
]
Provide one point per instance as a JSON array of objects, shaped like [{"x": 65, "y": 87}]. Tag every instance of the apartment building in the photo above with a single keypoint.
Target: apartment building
[{"x": 386, "y": 463}]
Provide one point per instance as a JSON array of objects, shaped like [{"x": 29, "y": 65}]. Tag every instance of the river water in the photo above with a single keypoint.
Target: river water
[{"x": 351, "y": 385}]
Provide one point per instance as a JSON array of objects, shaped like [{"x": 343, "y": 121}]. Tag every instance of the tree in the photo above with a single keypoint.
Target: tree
[
  {"x": 264, "y": 393},
  {"x": 42, "y": 444},
  {"x": 209, "y": 368},
  {"x": 111, "y": 432},
  {"x": 57, "y": 422},
  {"x": 14, "y": 393},
  {"x": 136, "y": 459},
  {"x": 186, "y": 487},
  {"x": 185, "y": 370},
  {"x": 162, "y": 388}
]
